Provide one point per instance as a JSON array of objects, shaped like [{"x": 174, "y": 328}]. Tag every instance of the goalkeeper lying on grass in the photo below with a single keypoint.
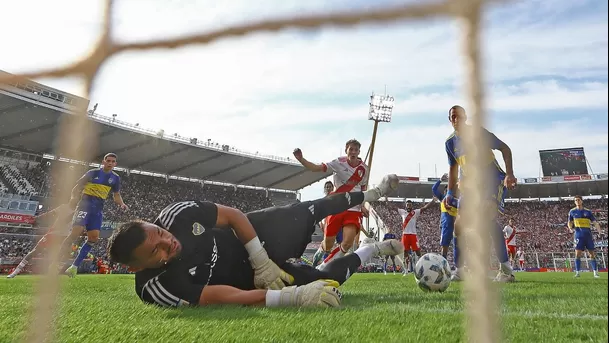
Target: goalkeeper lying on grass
[{"x": 201, "y": 253}]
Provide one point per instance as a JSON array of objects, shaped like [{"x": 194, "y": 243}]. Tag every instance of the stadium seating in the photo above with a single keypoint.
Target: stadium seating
[
  {"x": 541, "y": 223},
  {"x": 19, "y": 183}
]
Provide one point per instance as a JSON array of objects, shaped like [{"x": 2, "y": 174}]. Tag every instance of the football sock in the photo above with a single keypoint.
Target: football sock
[{"x": 84, "y": 251}]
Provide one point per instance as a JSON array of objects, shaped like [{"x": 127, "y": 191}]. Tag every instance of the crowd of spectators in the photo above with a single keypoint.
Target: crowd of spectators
[{"x": 541, "y": 224}]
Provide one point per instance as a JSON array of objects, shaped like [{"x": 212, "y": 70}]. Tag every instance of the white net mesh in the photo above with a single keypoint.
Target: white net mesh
[{"x": 73, "y": 133}]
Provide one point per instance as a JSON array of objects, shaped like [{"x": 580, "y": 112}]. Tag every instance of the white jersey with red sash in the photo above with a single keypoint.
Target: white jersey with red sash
[
  {"x": 409, "y": 221},
  {"x": 510, "y": 235},
  {"x": 348, "y": 178}
]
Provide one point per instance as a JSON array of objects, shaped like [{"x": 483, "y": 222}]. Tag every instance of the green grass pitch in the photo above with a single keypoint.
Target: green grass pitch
[{"x": 540, "y": 307}]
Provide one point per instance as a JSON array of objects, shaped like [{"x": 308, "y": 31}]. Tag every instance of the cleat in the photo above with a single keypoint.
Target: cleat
[
  {"x": 390, "y": 247},
  {"x": 596, "y": 276},
  {"x": 388, "y": 184},
  {"x": 72, "y": 271},
  {"x": 456, "y": 277},
  {"x": 576, "y": 275},
  {"x": 11, "y": 275},
  {"x": 501, "y": 277}
]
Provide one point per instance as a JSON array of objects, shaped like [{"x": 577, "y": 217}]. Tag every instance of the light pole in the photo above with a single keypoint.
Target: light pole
[{"x": 381, "y": 108}]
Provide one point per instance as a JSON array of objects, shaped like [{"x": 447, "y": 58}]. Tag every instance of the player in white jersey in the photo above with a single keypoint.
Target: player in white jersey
[
  {"x": 520, "y": 256},
  {"x": 509, "y": 232},
  {"x": 350, "y": 175},
  {"x": 409, "y": 231}
]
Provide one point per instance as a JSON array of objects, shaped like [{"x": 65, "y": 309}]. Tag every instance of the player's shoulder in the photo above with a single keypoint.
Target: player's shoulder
[
  {"x": 116, "y": 174},
  {"x": 93, "y": 171},
  {"x": 341, "y": 159},
  {"x": 451, "y": 137},
  {"x": 175, "y": 210}
]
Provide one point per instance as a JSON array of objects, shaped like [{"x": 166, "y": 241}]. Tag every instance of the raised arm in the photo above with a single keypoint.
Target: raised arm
[
  {"x": 308, "y": 165},
  {"x": 436, "y": 191}
]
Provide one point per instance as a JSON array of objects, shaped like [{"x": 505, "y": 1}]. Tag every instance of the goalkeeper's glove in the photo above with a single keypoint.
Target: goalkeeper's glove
[
  {"x": 267, "y": 275},
  {"x": 320, "y": 293}
]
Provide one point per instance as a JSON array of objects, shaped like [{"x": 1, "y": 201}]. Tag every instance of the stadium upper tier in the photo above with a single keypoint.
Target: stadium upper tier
[
  {"x": 31, "y": 114},
  {"x": 534, "y": 188}
]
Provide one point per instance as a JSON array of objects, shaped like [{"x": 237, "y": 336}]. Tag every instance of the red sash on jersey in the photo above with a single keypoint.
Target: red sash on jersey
[
  {"x": 356, "y": 178},
  {"x": 407, "y": 219},
  {"x": 509, "y": 240}
]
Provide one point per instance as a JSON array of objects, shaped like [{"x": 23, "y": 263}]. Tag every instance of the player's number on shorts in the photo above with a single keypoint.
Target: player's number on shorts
[{"x": 81, "y": 214}]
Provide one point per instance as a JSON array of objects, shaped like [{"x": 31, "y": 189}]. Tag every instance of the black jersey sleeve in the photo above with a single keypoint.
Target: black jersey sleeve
[
  {"x": 171, "y": 289},
  {"x": 175, "y": 216}
]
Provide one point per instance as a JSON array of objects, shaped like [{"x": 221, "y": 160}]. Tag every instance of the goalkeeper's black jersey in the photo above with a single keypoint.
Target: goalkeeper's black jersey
[{"x": 209, "y": 256}]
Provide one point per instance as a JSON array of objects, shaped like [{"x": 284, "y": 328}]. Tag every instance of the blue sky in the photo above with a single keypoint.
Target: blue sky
[{"x": 545, "y": 68}]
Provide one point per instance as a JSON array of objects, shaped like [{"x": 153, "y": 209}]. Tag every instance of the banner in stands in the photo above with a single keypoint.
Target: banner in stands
[
  {"x": 572, "y": 177},
  {"x": 433, "y": 179},
  {"x": 530, "y": 180},
  {"x": 559, "y": 162},
  {"x": 546, "y": 179},
  {"x": 603, "y": 176},
  {"x": 16, "y": 218},
  {"x": 601, "y": 244},
  {"x": 408, "y": 178},
  {"x": 586, "y": 177}
]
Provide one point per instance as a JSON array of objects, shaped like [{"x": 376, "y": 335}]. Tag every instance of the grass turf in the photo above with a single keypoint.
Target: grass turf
[{"x": 540, "y": 307}]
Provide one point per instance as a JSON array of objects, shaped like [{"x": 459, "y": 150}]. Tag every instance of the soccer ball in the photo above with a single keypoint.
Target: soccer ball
[{"x": 432, "y": 273}]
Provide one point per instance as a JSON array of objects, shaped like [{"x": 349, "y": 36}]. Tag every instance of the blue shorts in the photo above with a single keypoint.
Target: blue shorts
[
  {"x": 388, "y": 236},
  {"x": 91, "y": 220},
  {"x": 584, "y": 240},
  {"x": 447, "y": 227}
]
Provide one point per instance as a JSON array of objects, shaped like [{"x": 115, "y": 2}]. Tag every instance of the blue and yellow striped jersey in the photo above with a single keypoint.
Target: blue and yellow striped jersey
[
  {"x": 582, "y": 219},
  {"x": 436, "y": 192},
  {"x": 457, "y": 155},
  {"x": 98, "y": 185}
]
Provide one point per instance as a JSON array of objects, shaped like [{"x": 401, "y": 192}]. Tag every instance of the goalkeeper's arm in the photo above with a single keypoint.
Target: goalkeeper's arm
[{"x": 321, "y": 293}]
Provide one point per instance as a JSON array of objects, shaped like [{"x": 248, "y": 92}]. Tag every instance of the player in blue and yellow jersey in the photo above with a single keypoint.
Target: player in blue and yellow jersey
[
  {"x": 495, "y": 191},
  {"x": 93, "y": 189},
  {"x": 447, "y": 223},
  {"x": 581, "y": 220}
]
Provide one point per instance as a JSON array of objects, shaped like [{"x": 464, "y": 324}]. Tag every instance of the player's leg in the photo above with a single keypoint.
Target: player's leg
[
  {"x": 521, "y": 263},
  {"x": 340, "y": 269},
  {"x": 580, "y": 246},
  {"x": 385, "y": 265},
  {"x": 395, "y": 267},
  {"x": 350, "y": 227},
  {"x": 591, "y": 250},
  {"x": 94, "y": 222}
]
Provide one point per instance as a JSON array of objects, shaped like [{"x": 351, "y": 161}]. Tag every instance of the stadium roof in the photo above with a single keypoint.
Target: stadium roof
[
  {"x": 30, "y": 114},
  {"x": 533, "y": 188}
]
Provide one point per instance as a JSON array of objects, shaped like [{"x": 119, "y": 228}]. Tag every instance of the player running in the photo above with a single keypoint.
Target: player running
[
  {"x": 350, "y": 174},
  {"x": 201, "y": 253},
  {"x": 495, "y": 193},
  {"x": 58, "y": 230},
  {"x": 409, "y": 232},
  {"x": 92, "y": 189},
  {"x": 509, "y": 232},
  {"x": 580, "y": 221},
  {"x": 447, "y": 223}
]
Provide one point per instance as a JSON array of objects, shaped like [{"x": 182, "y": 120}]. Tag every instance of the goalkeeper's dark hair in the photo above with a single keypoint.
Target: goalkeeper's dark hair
[{"x": 125, "y": 239}]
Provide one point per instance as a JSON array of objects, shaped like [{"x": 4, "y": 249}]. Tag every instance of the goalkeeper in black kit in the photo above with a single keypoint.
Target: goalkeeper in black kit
[{"x": 199, "y": 253}]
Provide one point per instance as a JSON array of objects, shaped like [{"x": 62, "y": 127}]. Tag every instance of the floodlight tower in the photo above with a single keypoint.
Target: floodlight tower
[{"x": 381, "y": 108}]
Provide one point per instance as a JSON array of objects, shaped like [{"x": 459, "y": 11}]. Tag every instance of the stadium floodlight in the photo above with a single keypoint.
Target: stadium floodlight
[{"x": 381, "y": 108}]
